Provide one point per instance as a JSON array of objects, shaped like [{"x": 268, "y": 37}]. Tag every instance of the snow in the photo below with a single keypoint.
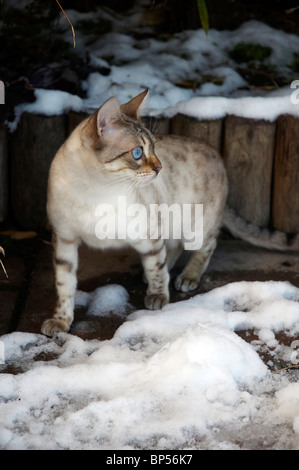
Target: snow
[
  {"x": 53, "y": 102},
  {"x": 112, "y": 298},
  {"x": 177, "y": 378},
  {"x": 161, "y": 65}
]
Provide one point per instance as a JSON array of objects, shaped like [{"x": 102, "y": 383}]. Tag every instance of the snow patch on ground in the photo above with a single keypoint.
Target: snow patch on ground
[
  {"x": 112, "y": 298},
  {"x": 175, "y": 378}
]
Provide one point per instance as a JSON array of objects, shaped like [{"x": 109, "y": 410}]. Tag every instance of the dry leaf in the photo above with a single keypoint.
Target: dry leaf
[{"x": 19, "y": 235}]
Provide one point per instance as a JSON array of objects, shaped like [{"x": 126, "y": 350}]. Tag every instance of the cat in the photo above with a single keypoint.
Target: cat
[{"x": 112, "y": 155}]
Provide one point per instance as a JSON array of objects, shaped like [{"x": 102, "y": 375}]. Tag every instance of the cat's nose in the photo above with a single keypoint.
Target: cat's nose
[{"x": 157, "y": 168}]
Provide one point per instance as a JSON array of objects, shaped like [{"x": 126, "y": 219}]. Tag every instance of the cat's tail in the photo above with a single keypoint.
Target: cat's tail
[{"x": 259, "y": 236}]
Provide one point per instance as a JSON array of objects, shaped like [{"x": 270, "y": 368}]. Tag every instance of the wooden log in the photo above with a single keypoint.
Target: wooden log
[
  {"x": 73, "y": 119},
  {"x": 285, "y": 204},
  {"x": 3, "y": 175},
  {"x": 33, "y": 147},
  {"x": 209, "y": 131},
  {"x": 157, "y": 125},
  {"x": 248, "y": 156}
]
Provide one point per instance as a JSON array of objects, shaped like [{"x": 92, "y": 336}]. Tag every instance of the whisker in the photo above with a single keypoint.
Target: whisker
[
  {"x": 155, "y": 126},
  {"x": 135, "y": 189},
  {"x": 117, "y": 182},
  {"x": 162, "y": 192}
]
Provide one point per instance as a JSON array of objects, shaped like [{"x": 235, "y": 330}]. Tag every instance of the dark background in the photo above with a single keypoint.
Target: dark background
[{"x": 30, "y": 38}]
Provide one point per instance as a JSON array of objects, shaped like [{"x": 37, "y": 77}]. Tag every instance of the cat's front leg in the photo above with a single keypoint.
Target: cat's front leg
[
  {"x": 65, "y": 265},
  {"x": 154, "y": 261}
]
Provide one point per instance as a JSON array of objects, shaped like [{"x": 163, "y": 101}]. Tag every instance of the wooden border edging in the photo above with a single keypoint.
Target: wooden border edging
[
  {"x": 32, "y": 150},
  {"x": 248, "y": 156},
  {"x": 261, "y": 158},
  {"x": 286, "y": 176},
  {"x": 3, "y": 176},
  {"x": 209, "y": 131}
]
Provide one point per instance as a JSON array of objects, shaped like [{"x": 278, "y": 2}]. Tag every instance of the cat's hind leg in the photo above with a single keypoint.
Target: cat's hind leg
[
  {"x": 189, "y": 278},
  {"x": 65, "y": 265}
]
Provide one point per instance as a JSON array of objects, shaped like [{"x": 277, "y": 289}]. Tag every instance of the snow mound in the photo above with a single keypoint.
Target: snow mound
[{"x": 175, "y": 378}]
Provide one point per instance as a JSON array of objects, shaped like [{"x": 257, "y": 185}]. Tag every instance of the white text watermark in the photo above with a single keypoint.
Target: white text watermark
[
  {"x": 138, "y": 222},
  {"x": 295, "y": 93}
]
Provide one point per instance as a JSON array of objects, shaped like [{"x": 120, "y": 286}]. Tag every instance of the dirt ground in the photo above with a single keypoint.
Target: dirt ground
[{"x": 28, "y": 295}]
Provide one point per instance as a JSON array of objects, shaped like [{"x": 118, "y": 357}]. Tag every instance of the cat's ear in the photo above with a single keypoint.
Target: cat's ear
[
  {"x": 134, "y": 107},
  {"x": 107, "y": 116}
]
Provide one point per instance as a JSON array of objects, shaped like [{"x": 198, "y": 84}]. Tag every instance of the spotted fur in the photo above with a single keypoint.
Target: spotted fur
[{"x": 95, "y": 166}]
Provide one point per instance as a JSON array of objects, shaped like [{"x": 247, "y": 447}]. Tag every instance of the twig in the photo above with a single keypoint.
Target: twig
[
  {"x": 2, "y": 265},
  {"x": 291, "y": 10},
  {"x": 285, "y": 368},
  {"x": 73, "y": 31}
]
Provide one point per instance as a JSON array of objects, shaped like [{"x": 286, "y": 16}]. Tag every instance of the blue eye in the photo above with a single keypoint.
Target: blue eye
[{"x": 137, "y": 153}]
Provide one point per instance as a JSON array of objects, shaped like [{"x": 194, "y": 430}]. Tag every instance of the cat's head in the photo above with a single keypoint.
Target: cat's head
[{"x": 120, "y": 141}]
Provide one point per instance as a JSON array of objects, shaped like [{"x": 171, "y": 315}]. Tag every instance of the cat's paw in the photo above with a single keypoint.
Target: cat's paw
[
  {"x": 155, "y": 301},
  {"x": 53, "y": 325},
  {"x": 184, "y": 283}
]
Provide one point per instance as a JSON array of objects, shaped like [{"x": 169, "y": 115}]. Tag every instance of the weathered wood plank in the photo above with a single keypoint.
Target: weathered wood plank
[
  {"x": 3, "y": 175},
  {"x": 248, "y": 156},
  {"x": 209, "y": 131},
  {"x": 33, "y": 147},
  {"x": 73, "y": 119},
  {"x": 248, "y": 150},
  {"x": 285, "y": 205}
]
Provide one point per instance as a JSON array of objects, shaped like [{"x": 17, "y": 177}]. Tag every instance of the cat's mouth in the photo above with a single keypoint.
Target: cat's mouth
[{"x": 147, "y": 177}]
